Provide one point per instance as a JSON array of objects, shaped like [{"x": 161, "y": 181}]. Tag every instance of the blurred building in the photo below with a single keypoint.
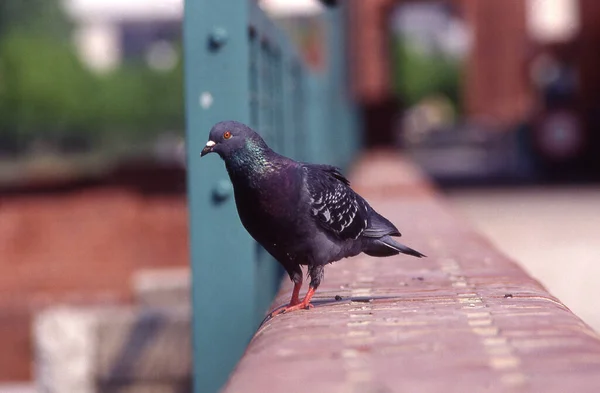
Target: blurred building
[
  {"x": 109, "y": 32},
  {"x": 530, "y": 63},
  {"x": 495, "y": 85}
]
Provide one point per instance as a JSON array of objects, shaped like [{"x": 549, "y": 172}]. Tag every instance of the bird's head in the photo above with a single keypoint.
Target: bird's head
[{"x": 227, "y": 137}]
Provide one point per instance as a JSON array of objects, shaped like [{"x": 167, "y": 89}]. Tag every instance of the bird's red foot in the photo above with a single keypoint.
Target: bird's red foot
[{"x": 293, "y": 306}]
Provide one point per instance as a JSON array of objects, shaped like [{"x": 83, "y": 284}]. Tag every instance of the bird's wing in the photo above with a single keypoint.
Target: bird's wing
[{"x": 334, "y": 205}]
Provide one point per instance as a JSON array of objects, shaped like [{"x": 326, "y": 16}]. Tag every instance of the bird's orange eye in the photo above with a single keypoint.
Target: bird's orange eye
[{"x": 227, "y": 135}]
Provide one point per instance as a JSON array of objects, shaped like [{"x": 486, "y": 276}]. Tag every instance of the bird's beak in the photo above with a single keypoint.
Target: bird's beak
[{"x": 208, "y": 148}]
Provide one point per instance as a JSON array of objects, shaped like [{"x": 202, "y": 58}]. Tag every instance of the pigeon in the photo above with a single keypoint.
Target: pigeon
[{"x": 301, "y": 213}]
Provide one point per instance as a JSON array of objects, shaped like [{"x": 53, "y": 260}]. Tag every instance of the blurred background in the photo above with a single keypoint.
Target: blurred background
[{"x": 498, "y": 101}]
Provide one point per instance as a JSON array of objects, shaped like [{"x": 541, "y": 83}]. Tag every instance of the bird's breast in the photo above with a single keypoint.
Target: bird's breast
[{"x": 270, "y": 212}]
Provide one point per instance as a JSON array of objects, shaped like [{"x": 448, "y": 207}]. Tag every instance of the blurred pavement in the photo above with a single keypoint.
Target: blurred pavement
[
  {"x": 554, "y": 233},
  {"x": 17, "y": 388}
]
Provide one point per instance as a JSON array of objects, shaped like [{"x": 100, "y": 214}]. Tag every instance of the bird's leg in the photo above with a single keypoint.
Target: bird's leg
[
  {"x": 296, "y": 293},
  {"x": 296, "y": 276},
  {"x": 316, "y": 274},
  {"x": 303, "y": 305},
  {"x": 295, "y": 273}
]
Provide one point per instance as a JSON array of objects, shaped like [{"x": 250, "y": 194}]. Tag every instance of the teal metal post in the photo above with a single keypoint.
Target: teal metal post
[{"x": 222, "y": 253}]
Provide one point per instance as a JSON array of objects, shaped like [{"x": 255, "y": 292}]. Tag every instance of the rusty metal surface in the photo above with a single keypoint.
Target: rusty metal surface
[{"x": 465, "y": 319}]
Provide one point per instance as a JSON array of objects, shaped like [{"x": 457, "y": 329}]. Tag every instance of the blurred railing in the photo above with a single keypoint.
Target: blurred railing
[{"x": 240, "y": 66}]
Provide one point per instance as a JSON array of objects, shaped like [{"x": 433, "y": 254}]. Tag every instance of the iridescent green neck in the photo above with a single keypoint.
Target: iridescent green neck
[{"x": 252, "y": 157}]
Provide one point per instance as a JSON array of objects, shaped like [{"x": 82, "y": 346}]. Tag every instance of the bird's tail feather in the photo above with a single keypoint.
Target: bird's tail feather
[{"x": 386, "y": 246}]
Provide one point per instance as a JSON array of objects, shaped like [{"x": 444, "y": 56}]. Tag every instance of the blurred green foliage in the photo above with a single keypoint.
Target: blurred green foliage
[
  {"x": 417, "y": 75},
  {"x": 44, "y": 85},
  {"x": 47, "y": 93},
  {"x": 43, "y": 17}
]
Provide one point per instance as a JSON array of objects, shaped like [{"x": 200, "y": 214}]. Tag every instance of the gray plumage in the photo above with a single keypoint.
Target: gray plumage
[{"x": 302, "y": 214}]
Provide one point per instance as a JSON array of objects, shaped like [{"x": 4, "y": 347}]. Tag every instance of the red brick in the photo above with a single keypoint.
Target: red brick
[{"x": 77, "y": 248}]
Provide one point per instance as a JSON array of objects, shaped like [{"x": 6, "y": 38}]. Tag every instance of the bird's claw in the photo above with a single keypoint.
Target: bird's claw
[
  {"x": 288, "y": 308},
  {"x": 300, "y": 307},
  {"x": 277, "y": 312}
]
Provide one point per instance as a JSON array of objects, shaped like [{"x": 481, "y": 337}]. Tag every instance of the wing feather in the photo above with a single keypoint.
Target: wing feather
[{"x": 334, "y": 205}]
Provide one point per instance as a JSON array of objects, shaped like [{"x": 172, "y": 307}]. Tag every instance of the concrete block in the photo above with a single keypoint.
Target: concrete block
[
  {"x": 87, "y": 350},
  {"x": 162, "y": 287}
]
